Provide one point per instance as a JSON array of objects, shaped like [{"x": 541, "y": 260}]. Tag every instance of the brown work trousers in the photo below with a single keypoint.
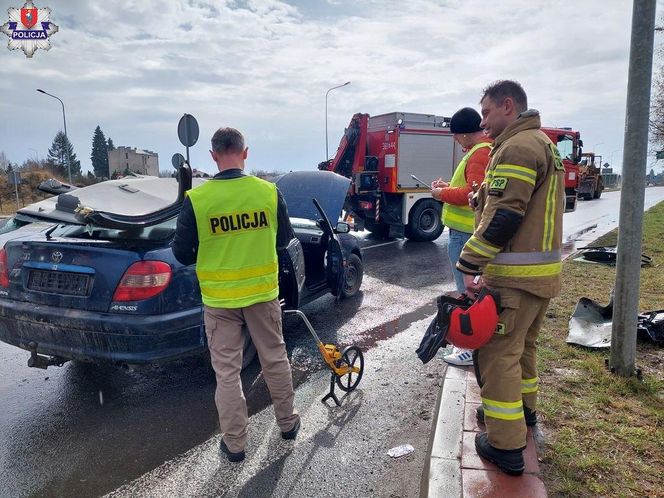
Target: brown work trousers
[
  {"x": 506, "y": 368},
  {"x": 223, "y": 327}
]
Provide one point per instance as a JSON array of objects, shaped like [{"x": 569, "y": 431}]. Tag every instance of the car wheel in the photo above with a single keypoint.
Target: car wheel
[
  {"x": 352, "y": 276},
  {"x": 425, "y": 223}
]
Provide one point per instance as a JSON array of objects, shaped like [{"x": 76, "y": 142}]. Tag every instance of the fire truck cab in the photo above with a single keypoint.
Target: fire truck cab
[{"x": 569, "y": 145}]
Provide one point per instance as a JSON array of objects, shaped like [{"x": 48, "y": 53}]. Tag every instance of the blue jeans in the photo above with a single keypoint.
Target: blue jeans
[{"x": 455, "y": 245}]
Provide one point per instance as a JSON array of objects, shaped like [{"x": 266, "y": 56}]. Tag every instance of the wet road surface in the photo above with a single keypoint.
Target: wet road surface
[{"x": 84, "y": 430}]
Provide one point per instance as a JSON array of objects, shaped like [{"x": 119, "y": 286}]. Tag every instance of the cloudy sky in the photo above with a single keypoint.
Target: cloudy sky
[{"x": 263, "y": 66}]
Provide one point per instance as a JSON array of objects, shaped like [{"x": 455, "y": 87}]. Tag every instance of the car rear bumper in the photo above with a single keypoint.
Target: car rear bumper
[{"x": 102, "y": 337}]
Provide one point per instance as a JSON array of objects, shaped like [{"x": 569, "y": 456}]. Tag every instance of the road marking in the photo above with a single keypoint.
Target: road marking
[{"x": 380, "y": 245}]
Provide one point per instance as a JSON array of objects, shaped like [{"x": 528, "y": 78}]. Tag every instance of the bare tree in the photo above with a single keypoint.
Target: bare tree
[{"x": 657, "y": 99}]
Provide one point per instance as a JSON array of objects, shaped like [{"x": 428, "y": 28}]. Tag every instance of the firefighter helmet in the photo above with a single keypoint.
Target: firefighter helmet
[{"x": 470, "y": 324}]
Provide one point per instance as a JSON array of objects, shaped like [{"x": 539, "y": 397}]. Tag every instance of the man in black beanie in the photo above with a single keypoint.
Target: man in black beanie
[{"x": 457, "y": 215}]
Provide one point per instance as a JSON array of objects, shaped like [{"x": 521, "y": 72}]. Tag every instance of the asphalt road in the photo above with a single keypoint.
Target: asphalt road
[{"x": 86, "y": 430}]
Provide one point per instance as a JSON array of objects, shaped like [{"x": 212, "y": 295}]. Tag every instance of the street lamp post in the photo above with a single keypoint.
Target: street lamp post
[
  {"x": 327, "y": 155},
  {"x": 64, "y": 119},
  {"x": 613, "y": 152}
]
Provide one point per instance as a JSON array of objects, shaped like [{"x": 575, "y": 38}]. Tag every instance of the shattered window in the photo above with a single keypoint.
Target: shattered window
[{"x": 161, "y": 232}]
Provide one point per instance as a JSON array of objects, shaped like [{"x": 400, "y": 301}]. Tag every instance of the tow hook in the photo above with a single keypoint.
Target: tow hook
[{"x": 43, "y": 362}]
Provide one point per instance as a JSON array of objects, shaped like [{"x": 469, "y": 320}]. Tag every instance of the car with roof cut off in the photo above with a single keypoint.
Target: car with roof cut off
[{"x": 89, "y": 274}]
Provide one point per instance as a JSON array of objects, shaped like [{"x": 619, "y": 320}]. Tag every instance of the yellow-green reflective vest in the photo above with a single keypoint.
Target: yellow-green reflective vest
[
  {"x": 237, "y": 263},
  {"x": 461, "y": 218}
]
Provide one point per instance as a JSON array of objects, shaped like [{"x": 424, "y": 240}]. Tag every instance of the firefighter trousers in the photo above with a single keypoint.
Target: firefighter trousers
[
  {"x": 225, "y": 335},
  {"x": 506, "y": 368}
]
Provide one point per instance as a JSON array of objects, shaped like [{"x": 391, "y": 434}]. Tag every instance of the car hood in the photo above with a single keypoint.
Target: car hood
[
  {"x": 125, "y": 197},
  {"x": 300, "y": 187}
]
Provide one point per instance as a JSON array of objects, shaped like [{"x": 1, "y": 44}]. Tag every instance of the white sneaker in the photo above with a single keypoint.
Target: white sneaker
[{"x": 460, "y": 357}]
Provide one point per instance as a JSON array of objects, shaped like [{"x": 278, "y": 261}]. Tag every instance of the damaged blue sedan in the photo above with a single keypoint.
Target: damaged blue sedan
[{"x": 95, "y": 279}]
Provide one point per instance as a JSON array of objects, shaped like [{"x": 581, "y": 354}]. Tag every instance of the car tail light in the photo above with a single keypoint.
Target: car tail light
[
  {"x": 366, "y": 205},
  {"x": 4, "y": 269},
  {"x": 143, "y": 280}
]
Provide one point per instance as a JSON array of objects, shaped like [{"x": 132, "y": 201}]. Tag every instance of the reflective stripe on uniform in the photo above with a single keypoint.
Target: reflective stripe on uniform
[
  {"x": 550, "y": 214},
  {"x": 546, "y": 270},
  {"x": 482, "y": 248},
  {"x": 504, "y": 410},
  {"x": 240, "y": 292},
  {"x": 527, "y": 258},
  {"x": 456, "y": 217},
  {"x": 529, "y": 385},
  {"x": 513, "y": 171},
  {"x": 241, "y": 274}
]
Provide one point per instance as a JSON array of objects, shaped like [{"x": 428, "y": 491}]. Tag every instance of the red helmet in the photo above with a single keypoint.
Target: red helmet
[{"x": 470, "y": 324}]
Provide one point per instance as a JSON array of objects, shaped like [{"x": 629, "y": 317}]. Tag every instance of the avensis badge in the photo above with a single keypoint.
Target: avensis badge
[{"x": 29, "y": 28}]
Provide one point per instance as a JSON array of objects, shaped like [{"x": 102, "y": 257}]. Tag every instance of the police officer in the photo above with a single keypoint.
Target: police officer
[
  {"x": 231, "y": 227},
  {"x": 516, "y": 249},
  {"x": 457, "y": 215}
]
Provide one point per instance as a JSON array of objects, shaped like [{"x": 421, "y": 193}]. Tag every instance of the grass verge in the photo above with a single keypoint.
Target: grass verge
[{"x": 605, "y": 434}]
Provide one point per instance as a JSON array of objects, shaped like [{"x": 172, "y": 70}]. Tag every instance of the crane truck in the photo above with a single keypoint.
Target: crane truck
[{"x": 388, "y": 156}]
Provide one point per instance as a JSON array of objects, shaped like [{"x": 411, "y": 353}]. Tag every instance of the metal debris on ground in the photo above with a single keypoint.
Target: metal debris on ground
[
  {"x": 591, "y": 324},
  {"x": 606, "y": 255}
]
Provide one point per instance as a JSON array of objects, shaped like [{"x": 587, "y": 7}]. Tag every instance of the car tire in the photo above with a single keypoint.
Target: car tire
[
  {"x": 425, "y": 224},
  {"x": 353, "y": 274}
]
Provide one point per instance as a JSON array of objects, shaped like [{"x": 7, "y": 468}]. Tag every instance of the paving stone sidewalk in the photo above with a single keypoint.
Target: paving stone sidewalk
[{"x": 455, "y": 469}]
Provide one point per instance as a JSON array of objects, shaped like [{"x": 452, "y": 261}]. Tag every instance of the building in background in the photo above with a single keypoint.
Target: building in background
[{"x": 143, "y": 162}]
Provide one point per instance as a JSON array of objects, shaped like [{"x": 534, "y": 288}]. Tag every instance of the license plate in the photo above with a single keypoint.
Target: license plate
[{"x": 59, "y": 282}]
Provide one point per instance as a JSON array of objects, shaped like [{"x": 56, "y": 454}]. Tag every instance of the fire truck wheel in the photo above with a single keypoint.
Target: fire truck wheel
[
  {"x": 598, "y": 193},
  {"x": 352, "y": 276},
  {"x": 425, "y": 223}
]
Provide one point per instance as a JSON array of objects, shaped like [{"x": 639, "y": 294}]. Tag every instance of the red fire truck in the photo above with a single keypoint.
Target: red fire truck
[
  {"x": 569, "y": 145},
  {"x": 391, "y": 160}
]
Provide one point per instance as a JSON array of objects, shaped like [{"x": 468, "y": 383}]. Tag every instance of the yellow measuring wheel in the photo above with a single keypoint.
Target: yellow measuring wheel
[{"x": 347, "y": 366}]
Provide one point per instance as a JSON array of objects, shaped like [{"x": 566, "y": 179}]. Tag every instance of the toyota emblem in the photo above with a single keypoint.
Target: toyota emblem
[{"x": 56, "y": 256}]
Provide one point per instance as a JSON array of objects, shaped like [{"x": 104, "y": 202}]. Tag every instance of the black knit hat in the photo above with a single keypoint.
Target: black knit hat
[{"x": 466, "y": 120}]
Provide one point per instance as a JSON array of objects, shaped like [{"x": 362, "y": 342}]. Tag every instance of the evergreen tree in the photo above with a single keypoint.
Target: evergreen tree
[
  {"x": 110, "y": 144},
  {"x": 61, "y": 155},
  {"x": 99, "y": 155}
]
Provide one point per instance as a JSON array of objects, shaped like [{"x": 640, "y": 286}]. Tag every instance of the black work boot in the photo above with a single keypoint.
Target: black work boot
[
  {"x": 530, "y": 415},
  {"x": 232, "y": 457},
  {"x": 292, "y": 434},
  {"x": 509, "y": 461}
]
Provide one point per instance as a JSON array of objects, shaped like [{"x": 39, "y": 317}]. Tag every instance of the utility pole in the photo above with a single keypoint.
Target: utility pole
[{"x": 630, "y": 230}]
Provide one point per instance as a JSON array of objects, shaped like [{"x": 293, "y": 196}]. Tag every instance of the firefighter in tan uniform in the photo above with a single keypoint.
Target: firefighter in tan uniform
[{"x": 516, "y": 249}]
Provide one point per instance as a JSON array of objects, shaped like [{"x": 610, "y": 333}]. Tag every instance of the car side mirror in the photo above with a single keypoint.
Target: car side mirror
[{"x": 342, "y": 227}]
